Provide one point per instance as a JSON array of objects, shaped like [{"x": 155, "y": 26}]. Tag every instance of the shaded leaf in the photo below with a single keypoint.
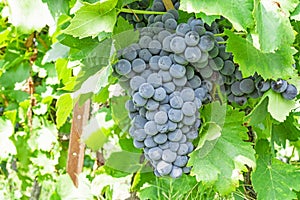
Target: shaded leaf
[{"x": 287, "y": 130}]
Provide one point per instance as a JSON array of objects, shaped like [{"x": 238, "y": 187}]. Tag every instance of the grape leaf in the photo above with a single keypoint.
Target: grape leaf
[
  {"x": 273, "y": 25},
  {"x": 167, "y": 187},
  {"x": 127, "y": 145},
  {"x": 119, "y": 113},
  {"x": 124, "y": 161},
  {"x": 95, "y": 82},
  {"x": 280, "y": 178},
  {"x": 95, "y": 134},
  {"x": 296, "y": 14},
  {"x": 63, "y": 72},
  {"x": 260, "y": 120},
  {"x": 57, "y": 8},
  {"x": 122, "y": 3},
  {"x": 278, "y": 107},
  {"x": 15, "y": 74},
  {"x": 29, "y": 15},
  {"x": 91, "y": 19},
  {"x": 209, "y": 19},
  {"x": 287, "y": 130},
  {"x": 239, "y": 12},
  {"x": 222, "y": 153},
  {"x": 57, "y": 50},
  {"x": 122, "y": 25},
  {"x": 268, "y": 65},
  {"x": 258, "y": 114},
  {"x": 64, "y": 107}
]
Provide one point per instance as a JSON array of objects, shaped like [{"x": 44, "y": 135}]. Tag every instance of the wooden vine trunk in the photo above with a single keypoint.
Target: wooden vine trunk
[{"x": 76, "y": 147}]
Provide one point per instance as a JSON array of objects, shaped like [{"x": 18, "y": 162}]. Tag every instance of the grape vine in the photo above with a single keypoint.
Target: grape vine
[{"x": 149, "y": 99}]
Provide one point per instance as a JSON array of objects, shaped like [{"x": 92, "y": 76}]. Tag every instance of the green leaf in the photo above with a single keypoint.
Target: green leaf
[
  {"x": 272, "y": 178},
  {"x": 122, "y": 25},
  {"x": 15, "y": 74},
  {"x": 120, "y": 43},
  {"x": 96, "y": 133},
  {"x": 29, "y": 15},
  {"x": 278, "y": 107},
  {"x": 64, "y": 107},
  {"x": 91, "y": 19},
  {"x": 287, "y": 130},
  {"x": 239, "y": 12},
  {"x": 127, "y": 145},
  {"x": 273, "y": 25},
  {"x": 63, "y": 72},
  {"x": 142, "y": 176},
  {"x": 93, "y": 62},
  {"x": 258, "y": 114},
  {"x": 268, "y": 65},
  {"x": 209, "y": 19},
  {"x": 222, "y": 154},
  {"x": 122, "y": 3},
  {"x": 260, "y": 119},
  {"x": 124, "y": 161},
  {"x": 95, "y": 83},
  {"x": 76, "y": 43},
  {"x": 296, "y": 14},
  {"x": 167, "y": 188},
  {"x": 57, "y": 7},
  {"x": 119, "y": 112},
  {"x": 57, "y": 50}
]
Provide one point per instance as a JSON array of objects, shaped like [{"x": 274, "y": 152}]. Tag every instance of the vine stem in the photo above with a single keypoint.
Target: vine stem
[
  {"x": 126, "y": 10},
  {"x": 222, "y": 42},
  {"x": 222, "y": 34}
]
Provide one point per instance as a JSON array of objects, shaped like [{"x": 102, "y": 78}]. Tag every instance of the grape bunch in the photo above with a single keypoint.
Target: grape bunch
[
  {"x": 240, "y": 89},
  {"x": 166, "y": 96}
]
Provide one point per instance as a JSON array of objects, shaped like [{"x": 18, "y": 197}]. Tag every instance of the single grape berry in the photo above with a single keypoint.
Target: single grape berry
[
  {"x": 290, "y": 92},
  {"x": 279, "y": 86}
]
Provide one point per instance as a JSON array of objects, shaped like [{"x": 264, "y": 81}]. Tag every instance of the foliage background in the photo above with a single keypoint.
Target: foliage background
[{"x": 55, "y": 53}]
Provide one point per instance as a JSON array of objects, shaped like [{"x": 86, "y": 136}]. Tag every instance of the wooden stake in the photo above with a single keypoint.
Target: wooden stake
[
  {"x": 76, "y": 147},
  {"x": 168, "y": 4}
]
